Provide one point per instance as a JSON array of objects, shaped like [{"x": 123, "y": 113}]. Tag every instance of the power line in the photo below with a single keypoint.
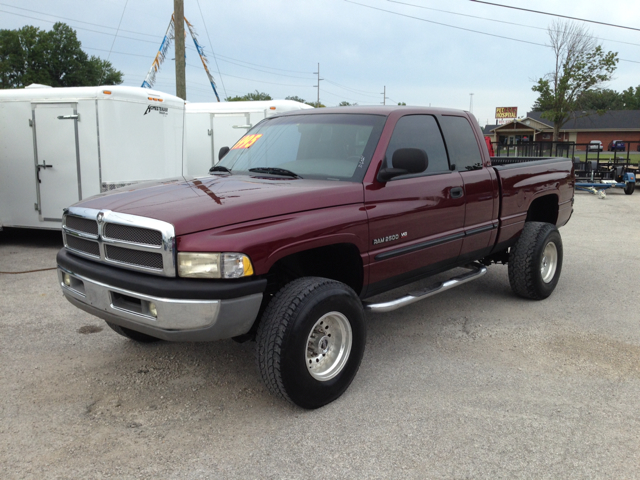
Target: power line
[
  {"x": 119, "y": 53},
  {"x": 211, "y": 46},
  {"x": 557, "y": 15},
  {"x": 360, "y": 92},
  {"x": 499, "y": 21},
  {"x": 80, "y": 28},
  {"x": 445, "y": 24},
  {"x": 66, "y": 18},
  {"x": 114, "y": 40},
  {"x": 263, "y": 71},
  {"x": 155, "y": 43},
  {"x": 465, "y": 29},
  {"x": 263, "y": 66},
  {"x": 228, "y": 75},
  {"x": 254, "y": 80}
]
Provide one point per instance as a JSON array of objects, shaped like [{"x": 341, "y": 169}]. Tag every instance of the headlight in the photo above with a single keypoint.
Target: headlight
[{"x": 214, "y": 265}]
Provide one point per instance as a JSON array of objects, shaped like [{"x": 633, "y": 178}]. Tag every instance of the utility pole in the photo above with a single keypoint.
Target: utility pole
[
  {"x": 178, "y": 22},
  {"x": 384, "y": 96},
  {"x": 318, "y": 85},
  {"x": 471, "y": 103}
]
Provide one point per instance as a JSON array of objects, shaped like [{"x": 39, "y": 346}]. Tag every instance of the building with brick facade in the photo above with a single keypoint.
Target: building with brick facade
[{"x": 581, "y": 128}]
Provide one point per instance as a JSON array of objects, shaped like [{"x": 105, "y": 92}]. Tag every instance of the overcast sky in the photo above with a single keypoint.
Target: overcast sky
[{"x": 274, "y": 46}]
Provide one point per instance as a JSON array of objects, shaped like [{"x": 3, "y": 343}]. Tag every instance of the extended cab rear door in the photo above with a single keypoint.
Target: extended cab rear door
[
  {"x": 480, "y": 186},
  {"x": 416, "y": 222}
]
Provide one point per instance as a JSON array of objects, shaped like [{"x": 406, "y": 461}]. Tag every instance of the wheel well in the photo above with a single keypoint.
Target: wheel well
[
  {"x": 341, "y": 262},
  {"x": 544, "y": 209}
]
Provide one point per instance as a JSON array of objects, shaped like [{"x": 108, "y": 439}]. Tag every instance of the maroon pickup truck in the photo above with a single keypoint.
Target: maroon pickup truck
[{"x": 306, "y": 217}]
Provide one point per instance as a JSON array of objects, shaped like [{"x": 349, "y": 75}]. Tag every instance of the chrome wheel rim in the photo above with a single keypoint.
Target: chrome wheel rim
[
  {"x": 328, "y": 346},
  {"x": 549, "y": 262}
]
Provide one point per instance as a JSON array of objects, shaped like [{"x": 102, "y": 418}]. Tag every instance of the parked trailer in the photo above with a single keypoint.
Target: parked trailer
[
  {"x": 211, "y": 126},
  {"x": 595, "y": 173},
  {"x": 595, "y": 177},
  {"x": 61, "y": 145}
]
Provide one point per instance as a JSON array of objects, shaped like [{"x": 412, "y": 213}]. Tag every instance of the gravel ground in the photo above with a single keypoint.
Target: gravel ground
[{"x": 473, "y": 383}]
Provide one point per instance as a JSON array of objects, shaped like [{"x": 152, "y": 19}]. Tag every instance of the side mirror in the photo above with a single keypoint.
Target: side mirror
[
  {"x": 223, "y": 151},
  {"x": 405, "y": 161}
]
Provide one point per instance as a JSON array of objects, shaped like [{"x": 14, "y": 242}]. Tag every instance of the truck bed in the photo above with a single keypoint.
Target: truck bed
[{"x": 526, "y": 180}]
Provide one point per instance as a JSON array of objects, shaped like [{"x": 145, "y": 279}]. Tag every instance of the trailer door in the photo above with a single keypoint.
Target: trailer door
[
  {"x": 57, "y": 158},
  {"x": 228, "y": 128}
]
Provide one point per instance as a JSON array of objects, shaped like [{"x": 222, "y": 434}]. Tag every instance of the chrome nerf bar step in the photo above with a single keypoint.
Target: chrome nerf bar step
[{"x": 476, "y": 271}]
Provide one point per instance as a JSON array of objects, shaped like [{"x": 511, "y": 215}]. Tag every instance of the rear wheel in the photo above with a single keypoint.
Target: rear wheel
[
  {"x": 310, "y": 341},
  {"x": 535, "y": 262},
  {"x": 132, "y": 334},
  {"x": 629, "y": 188}
]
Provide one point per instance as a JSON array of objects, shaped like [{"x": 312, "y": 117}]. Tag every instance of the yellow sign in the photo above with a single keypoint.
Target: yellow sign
[
  {"x": 506, "y": 112},
  {"x": 246, "y": 141}
]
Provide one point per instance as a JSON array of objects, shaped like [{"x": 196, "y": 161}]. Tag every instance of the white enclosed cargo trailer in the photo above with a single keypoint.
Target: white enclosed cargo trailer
[
  {"x": 60, "y": 145},
  {"x": 211, "y": 126}
]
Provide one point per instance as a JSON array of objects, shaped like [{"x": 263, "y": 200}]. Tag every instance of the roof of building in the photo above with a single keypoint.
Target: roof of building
[{"x": 611, "y": 119}]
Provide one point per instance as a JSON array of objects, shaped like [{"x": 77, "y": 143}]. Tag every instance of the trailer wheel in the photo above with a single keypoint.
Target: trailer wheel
[
  {"x": 132, "y": 334},
  {"x": 310, "y": 341},
  {"x": 629, "y": 188},
  {"x": 535, "y": 262}
]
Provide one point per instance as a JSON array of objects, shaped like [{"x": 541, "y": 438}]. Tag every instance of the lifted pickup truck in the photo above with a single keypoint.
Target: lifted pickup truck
[{"x": 305, "y": 218}]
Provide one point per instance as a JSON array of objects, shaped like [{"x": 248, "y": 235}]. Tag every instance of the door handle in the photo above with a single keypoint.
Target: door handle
[
  {"x": 69, "y": 117},
  {"x": 456, "y": 192},
  {"x": 38, "y": 167}
]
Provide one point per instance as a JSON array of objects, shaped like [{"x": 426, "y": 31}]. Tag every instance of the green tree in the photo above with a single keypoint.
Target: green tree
[
  {"x": 316, "y": 104},
  {"x": 600, "y": 100},
  {"x": 580, "y": 65},
  {"x": 631, "y": 98},
  {"x": 250, "y": 97},
  {"x": 295, "y": 98},
  {"x": 54, "y": 58},
  {"x": 347, "y": 104},
  {"x": 402, "y": 103}
]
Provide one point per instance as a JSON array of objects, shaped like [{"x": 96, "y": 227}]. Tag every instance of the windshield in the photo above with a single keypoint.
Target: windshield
[{"x": 322, "y": 146}]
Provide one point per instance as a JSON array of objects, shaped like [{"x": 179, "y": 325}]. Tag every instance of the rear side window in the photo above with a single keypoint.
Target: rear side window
[
  {"x": 463, "y": 148},
  {"x": 420, "y": 131}
]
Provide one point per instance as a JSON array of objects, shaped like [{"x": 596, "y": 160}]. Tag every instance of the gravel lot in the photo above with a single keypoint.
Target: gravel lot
[{"x": 473, "y": 383}]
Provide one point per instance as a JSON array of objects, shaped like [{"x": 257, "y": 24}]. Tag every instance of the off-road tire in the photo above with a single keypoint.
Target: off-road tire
[
  {"x": 629, "y": 188},
  {"x": 284, "y": 333},
  {"x": 527, "y": 261},
  {"x": 132, "y": 334}
]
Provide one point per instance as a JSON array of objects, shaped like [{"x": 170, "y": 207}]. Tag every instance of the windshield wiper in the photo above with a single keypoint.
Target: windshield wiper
[
  {"x": 219, "y": 168},
  {"x": 275, "y": 171}
]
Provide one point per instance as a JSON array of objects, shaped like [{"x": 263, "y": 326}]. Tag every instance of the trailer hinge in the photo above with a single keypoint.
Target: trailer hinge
[
  {"x": 35, "y": 206},
  {"x": 209, "y": 132},
  {"x": 30, "y": 123}
]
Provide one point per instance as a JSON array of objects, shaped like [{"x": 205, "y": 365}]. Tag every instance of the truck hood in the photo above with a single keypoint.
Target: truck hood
[{"x": 195, "y": 204}]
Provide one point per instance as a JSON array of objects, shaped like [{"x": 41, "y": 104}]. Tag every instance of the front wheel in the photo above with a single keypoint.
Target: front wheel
[
  {"x": 535, "y": 262},
  {"x": 310, "y": 341}
]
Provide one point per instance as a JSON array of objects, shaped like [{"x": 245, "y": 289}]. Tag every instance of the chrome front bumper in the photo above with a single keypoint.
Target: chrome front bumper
[{"x": 165, "y": 318}]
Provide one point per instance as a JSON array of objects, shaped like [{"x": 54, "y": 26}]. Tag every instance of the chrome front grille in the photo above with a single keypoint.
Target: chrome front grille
[
  {"x": 86, "y": 246},
  {"x": 134, "y": 257},
  {"x": 118, "y": 239},
  {"x": 83, "y": 225},
  {"x": 132, "y": 234}
]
